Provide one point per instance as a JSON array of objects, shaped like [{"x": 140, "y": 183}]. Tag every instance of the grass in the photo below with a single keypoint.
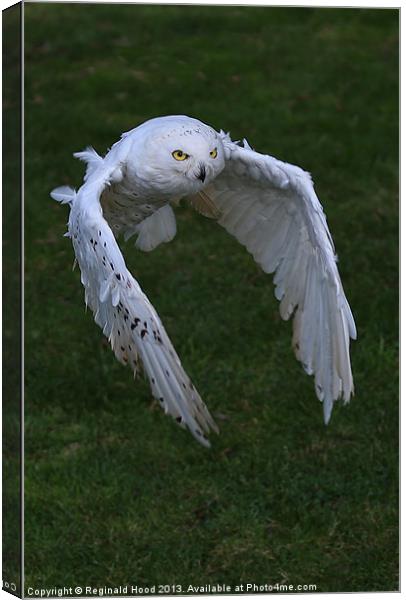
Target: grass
[{"x": 115, "y": 493}]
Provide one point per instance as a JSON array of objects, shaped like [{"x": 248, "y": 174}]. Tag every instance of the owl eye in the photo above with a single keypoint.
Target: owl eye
[
  {"x": 213, "y": 153},
  {"x": 179, "y": 155}
]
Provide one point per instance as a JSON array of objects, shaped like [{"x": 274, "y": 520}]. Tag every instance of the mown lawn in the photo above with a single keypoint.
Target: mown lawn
[{"x": 115, "y": 493}]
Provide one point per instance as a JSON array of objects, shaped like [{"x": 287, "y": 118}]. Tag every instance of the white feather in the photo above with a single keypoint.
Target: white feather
[
  {"x": 159, "y": 227},
  {"x": 63, "y": 194}
]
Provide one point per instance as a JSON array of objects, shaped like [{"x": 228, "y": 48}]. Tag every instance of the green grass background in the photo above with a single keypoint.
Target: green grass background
[{"x": 115, "y": 493}]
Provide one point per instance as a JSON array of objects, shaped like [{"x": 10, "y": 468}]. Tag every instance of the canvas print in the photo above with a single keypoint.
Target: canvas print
[{"x": 209, "y": 301}]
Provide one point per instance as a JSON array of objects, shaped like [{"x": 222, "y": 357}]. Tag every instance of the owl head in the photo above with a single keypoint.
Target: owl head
[{"x": 180, "y": 154}]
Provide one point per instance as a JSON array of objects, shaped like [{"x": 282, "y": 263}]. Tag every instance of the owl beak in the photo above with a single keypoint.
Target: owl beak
[{"x": 202, "y": 172}]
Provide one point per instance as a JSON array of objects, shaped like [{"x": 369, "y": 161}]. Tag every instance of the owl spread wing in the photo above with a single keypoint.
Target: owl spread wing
[
  {"x": 272, "y": 209},
  {"x": 121, "y": 309}
]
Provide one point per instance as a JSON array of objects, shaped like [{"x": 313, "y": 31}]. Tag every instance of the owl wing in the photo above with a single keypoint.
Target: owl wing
[
  {"x": 272, "y": 209},
  {"x": 121, "y": 309}
]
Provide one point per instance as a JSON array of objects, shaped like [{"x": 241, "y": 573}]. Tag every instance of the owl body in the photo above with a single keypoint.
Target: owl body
[
  {"x": 148, "y": 176},
  {"x": 268, "y": 205}
]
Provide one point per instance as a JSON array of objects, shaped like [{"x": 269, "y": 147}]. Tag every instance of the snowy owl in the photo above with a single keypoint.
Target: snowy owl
[{"x": 270, "y": 207}]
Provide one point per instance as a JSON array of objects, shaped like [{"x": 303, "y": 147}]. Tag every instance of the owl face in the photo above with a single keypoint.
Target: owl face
[{"x": 185, "y": 158}]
